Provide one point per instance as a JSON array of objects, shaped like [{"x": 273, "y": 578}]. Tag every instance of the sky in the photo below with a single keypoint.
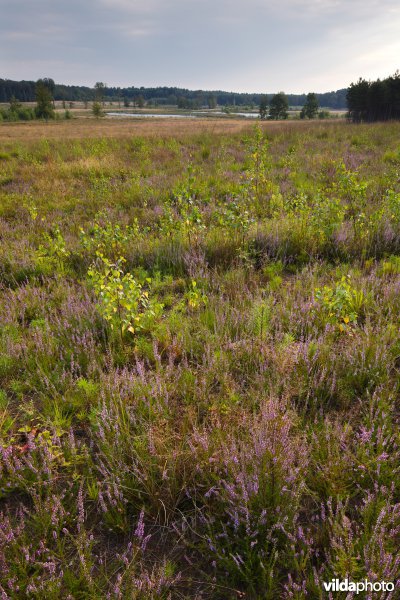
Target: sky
[{"x": 232, "y": 45}]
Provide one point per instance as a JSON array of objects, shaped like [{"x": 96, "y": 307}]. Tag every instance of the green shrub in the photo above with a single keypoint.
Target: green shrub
[
  {"x": 341, "y": 305},
  {"x": 123, "y": 301}
]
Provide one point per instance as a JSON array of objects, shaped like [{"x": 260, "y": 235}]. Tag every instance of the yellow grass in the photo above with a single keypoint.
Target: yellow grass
[{"x": 90, "y": 127}]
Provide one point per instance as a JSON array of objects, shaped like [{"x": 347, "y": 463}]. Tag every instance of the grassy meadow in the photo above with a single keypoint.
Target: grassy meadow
[{"x": 199, "y": 359}]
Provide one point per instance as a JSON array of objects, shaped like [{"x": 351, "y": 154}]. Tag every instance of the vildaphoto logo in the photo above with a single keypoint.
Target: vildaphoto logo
[{"x": 335, "y": 585}]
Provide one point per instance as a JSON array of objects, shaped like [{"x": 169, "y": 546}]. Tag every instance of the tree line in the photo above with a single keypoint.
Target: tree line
[
  {"x": 24, "y": 91},
  {"x": 366, "y": 101},
  {"x": 44, "y": 109},
  {"x": 278, "y": 107},
  {"x": 378, "y": 100}
]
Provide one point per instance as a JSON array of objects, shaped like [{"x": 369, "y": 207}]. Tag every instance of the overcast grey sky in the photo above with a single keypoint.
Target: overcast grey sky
[{"x": 237, "y": 45}]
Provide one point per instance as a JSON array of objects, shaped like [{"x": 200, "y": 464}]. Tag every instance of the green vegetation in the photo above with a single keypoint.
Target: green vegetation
[
  {"x": 161, "y": 96},
  {"x": 44, "y": 99},
  {"x": 374, "y": 100},
  {"x": 199, "y": 361},
  {"x": 279, "y": 106},
  {"x": 263, "y": 110},
  {"x": 96, "y": 110},
  {"x": 16, "y": 112},
  {"x": 310, "y": 108},
  {"x": 44, "y": 109}
]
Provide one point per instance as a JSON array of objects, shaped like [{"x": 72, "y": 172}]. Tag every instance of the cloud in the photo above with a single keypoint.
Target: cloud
[{"x": 294, "y": 45}]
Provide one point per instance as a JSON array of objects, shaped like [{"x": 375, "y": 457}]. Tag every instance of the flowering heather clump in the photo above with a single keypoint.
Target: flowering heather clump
[
  {"x": 199, "y": 361},
  {"x": 250, "y": 513},
  {"x": 364, "y": 546},
  {"x": 69, "y": 560}
]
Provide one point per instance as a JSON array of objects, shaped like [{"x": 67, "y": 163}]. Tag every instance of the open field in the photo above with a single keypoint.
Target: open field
[
  {"x": 199, "y": 359},
  {"x": 119, "y": 128},
  {"x": 116, "y": 128}
]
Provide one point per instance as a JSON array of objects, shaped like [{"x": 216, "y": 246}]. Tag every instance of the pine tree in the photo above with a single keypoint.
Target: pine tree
[
  {"x": 96, "y": 110},
  {"x": 278, "y": 108},
  {"x": 310, "y": 108},
  {"x": 263, "y": 110},
  {"x": 44, "y": 100}
]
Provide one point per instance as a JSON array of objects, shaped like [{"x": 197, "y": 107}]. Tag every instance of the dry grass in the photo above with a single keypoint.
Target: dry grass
[{"x": 119, "y": 128}]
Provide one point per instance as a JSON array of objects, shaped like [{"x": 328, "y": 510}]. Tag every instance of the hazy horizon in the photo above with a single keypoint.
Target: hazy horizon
[{"x": 315, "y": 45}]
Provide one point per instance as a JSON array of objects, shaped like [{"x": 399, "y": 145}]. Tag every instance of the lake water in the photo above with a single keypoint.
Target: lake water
[
  {"x": 149, "y": 116},
  {"x": 199, "y": 115},
  {"x": 247, "y": 115}
]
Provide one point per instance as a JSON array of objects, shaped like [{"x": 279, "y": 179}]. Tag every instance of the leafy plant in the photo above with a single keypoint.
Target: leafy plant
[
  {"x": 195, "y": 297},
  {"x": 53, "y": 252},
  {"x": 255, "y": 180},
  {"x": 233, "y": 215},
  {"x": 340, "y": 305},
  {"x": 182, "y": 213},
  {"x": 110, "y": 239},
  {"x": 393, "y": 205},
  {"x": 123, "y": 302}
]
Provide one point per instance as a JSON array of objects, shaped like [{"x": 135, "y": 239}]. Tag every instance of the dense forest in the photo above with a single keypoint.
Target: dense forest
[
  {"x": 366, "y": 101},
  {"x": 24, "y": 91},
  {"x": 370, "y": 101}
]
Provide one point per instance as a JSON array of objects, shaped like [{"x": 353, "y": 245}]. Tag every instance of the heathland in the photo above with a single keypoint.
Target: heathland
[{"x": 199, "y": 358}]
